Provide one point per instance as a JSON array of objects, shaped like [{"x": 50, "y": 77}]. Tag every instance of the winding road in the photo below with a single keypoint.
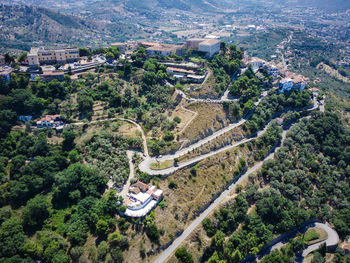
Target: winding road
[
  {"x": 171, "y": 249},
  {"x": 331, "y": 241},
  {"x": 145, "y": 165}
]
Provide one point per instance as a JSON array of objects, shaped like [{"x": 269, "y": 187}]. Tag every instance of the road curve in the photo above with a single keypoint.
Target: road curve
[
  {"x": 331, "y": 241},
  {"x": 145, "y": 164}
]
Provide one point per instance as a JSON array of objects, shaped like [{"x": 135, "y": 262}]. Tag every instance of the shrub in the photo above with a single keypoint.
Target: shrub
[
  {"x": 172, "y": 185},
  {"x": 183, "y": 256}
]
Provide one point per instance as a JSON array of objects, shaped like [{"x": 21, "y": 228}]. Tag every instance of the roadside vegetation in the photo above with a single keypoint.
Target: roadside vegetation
[{"x": 302, "y": 182}]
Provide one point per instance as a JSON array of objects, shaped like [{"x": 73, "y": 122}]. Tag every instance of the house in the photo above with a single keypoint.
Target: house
[
  {"x": 50, "y": 121},
  {"x": 286, "y": 84},
  {"x": 157, "y": 49},
  {"x": 292, "y": 82},
  {"x": 256, "y": 63},
  {"x": 179, "y": 71},
  {"x": 51, "y": 75},
  {"x": 210, "y": 46},
  {"x": 5, "y": 73},
  {"x": 196, "y": 78},
  {"x": 272, "y": 70},
  {"x": 38, "y": 56},
  {"x": 25, "y": 118},
  {"x": 142, "y": 199},
  {"x": 161, "y": 50}
]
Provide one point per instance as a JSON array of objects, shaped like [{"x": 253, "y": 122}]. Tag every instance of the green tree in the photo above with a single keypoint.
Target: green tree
[
  {"x": 68, "y": 142},
  {"x": 102, "y": 227},
  {"x": 12, "y": 238},
  {"x": 35, "y": 212},
  {"x": 183, "y": 256}
]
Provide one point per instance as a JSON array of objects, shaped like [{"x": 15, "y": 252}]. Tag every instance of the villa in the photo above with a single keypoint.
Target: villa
[{"x": 142, "y": 199}]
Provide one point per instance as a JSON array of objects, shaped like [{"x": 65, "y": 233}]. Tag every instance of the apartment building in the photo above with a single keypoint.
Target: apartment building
[{"x": 38, "y": 56}]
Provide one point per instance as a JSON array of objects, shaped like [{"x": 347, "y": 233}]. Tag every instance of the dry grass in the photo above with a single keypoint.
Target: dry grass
[
  {"x": 193, "y": 193},
  {"x": 227, "y": 138},
  {"x": 205, "y": 90},
  {"x": 186, "y": 33},
  {"x": 54, "y": 139},
  {"x": 90, "y": 129},
  {"x": 128, "y": 129},
  {"x": 184, "y": 115},
  {"x": 332, "y": 72},
  {"x": 210, "y": 118}
]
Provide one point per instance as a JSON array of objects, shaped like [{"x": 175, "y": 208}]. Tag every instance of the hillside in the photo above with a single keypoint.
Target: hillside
[
  {"x": 22, "y": 25},
  {"x": 140, "y": 6}
]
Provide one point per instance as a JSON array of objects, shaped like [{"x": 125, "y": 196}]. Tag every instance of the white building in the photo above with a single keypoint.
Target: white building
[
  {"x": 142, "y": 199},
  {"x": 272, "y": 70},
  {"x": 287, "y": 84},
  {"x": 209, "y": 46},
  {"x": 38, "y": 56}
]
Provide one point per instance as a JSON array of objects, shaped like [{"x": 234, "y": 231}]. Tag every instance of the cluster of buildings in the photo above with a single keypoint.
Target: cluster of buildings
[
  {"x": 288, "y": 81},
  {"x": 258, "y": 63},
  {"x": 40, "y": 55},
  {"x": 142, "y": 199},
  {"x": 51, "y": 121},
  {"x": 208, "y": 46}
]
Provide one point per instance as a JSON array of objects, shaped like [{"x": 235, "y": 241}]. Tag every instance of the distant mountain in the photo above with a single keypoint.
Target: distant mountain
[
  {"x": 325, "y": 5},
  {"x": 22, "y": 25},
  {"x": 134, "y": 5}
]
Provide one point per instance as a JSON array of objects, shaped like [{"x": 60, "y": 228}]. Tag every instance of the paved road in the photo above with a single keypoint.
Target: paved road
[
  {"x": 331, "y": 241},
  {"x": 145, "y": 165},
  {"x": 171, "y": 249}
]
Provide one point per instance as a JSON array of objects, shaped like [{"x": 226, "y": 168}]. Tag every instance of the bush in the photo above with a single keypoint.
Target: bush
[
  {"x": 172, "y": 185},
  {"x": 183, "y": 256},
  {"x": 177, "y": 119}
]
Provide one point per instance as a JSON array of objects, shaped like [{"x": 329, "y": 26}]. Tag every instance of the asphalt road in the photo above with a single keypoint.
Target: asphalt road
[
  {"x": 171, "y": 249},
  {"x": 145, "y": 165},
  {"x": 331, "y": 241}
]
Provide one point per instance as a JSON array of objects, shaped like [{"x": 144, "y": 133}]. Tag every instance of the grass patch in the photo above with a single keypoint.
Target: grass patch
[
  {"x": 162, "y": 165},
  {"x": 310, "y": 235},
  {"x": 315, "y": 235}
]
